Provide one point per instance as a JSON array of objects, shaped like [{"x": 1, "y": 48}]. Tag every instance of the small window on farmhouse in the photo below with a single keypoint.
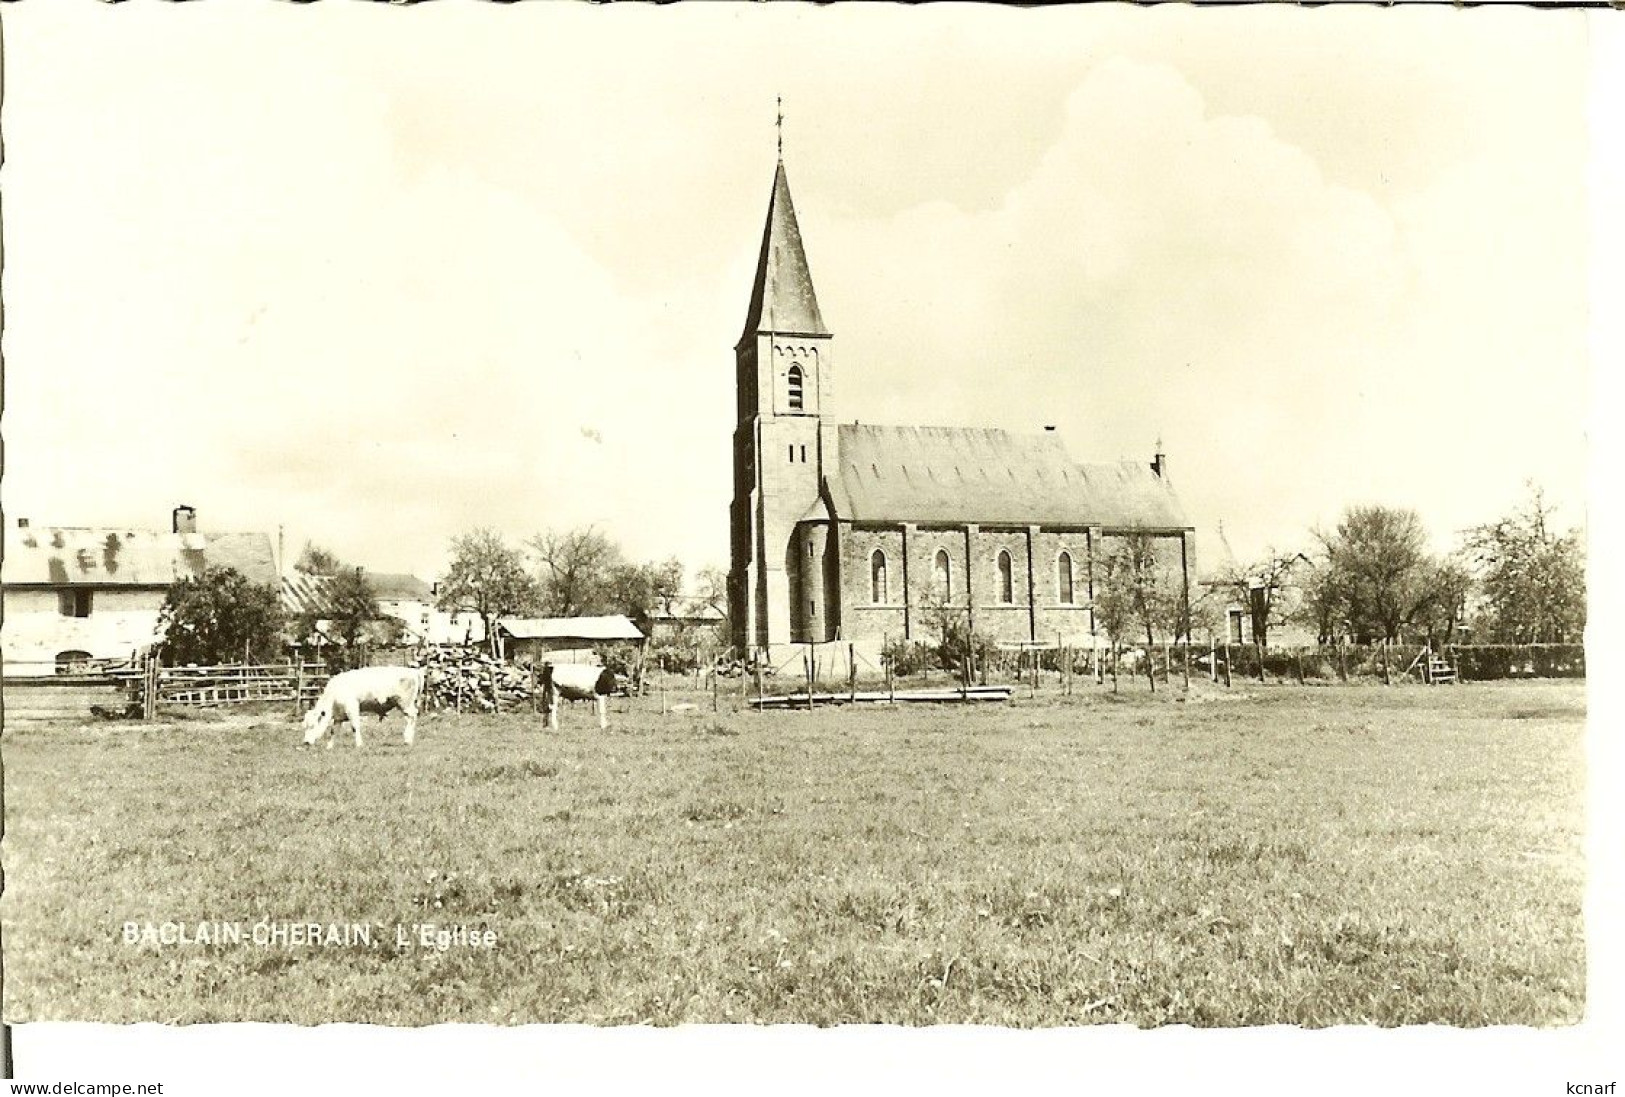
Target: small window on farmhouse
[
  {"x": 803, "y": 455},
  {"x": 790, "y": 451},
  {"x": 1235, "y": 625},
  {"x": 877, "y": 578},
  {"x": 943, "y": 575},
  {"x": 795, "y": 388},
  {"x": 1007, "y": 586},
  {"x": 72, "y": 662},
  {"x": 1063, "y": 579},
  {"x": 74, "y": 603},
  {"x": 812, "y": 608}
]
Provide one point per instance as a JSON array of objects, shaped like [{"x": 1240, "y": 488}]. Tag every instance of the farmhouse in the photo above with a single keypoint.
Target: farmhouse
[
  {"x": 858, "y": 532},
  {"x": 74, "y": 594}
]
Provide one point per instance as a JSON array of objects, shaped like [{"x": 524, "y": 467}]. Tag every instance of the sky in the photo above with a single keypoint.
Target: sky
[{"x": 377, "y": 276}]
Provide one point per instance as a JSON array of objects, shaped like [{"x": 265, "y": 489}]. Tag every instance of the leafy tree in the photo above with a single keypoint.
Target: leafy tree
[
  {"x": 1448, "y": 587},
  {"x": 956, "y": 640},
  {"x": 1532, "y": 578},
  {"x": 639, "y": 590},
  {"x": 220, "y": 617},
  {"x": 351, "y": 606},
  {"x": 316, "y": 560},
  {"x": 1138, "y": 591},
  {"x": 1379, "y": 576},
  {"x": 487, "y": 578}
]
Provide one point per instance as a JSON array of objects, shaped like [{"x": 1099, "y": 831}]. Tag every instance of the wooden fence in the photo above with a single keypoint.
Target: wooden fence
[{"x": 143, "y": 688}]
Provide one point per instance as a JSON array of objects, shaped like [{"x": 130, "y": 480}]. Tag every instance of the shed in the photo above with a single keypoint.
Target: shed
[{"x": 562, "y": 639}]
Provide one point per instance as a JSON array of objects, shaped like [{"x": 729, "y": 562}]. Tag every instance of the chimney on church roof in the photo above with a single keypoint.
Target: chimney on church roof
[{"x": 1159, "y": 462}]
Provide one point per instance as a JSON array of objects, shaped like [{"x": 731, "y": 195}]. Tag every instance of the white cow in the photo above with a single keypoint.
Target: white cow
[
  {"x": 370, "y": 689},
  {"x": 576, "y": 682}
]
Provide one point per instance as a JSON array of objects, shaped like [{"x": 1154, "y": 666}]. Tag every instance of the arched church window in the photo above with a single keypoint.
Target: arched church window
[
  {"x": 877, "y": 578},
  {"x": 944, "y": 575},
  {"x": 795, "y": 388},
  {"x": 1007, "y": 587},
  {"x": 1063, "y": 579}
]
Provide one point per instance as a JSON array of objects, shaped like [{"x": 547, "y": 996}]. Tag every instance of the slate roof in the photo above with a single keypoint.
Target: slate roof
[
  {"x": 58, "y": 556},
  {"x": 591, "y": 629},
  {"x": 958, "y": 475},
  {"x": 397, "y": 587},
  {"x": 782, "y": 297}
]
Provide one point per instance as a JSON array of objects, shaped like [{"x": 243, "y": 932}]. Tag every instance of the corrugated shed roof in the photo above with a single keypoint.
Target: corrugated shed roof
[
  {"x": 302, "y": 593},
  {"x": 782, "y": 297},
  {"x": 956, "y": 475},
  {"x": 97, "y": 556},
  {"x": 570, "y": 628}
]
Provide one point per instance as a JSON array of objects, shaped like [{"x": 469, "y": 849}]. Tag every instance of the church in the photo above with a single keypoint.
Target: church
[{"x": 849, "y": 532}]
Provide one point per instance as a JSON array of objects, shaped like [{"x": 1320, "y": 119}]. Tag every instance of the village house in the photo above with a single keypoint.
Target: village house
[
  {"x": 401, "y": 597},
  {"x": 76, "y": 594}
]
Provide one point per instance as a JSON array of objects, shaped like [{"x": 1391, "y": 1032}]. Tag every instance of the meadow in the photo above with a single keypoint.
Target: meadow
[{"x": 1312, "y": 856}]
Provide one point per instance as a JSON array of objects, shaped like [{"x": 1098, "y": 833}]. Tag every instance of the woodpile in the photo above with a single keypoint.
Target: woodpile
[{"x": 468, "y": 680}]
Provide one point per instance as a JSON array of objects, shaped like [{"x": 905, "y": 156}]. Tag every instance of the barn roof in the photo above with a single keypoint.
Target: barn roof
[
  {"x": 782, "y": 297},
  {"x": 958, "y": 475},
  {"x": 59, "y": 556},
  {"x": 592, "y": 629}
]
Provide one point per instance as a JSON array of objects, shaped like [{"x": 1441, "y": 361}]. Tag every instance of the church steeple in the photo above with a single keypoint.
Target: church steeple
[{"x": 782, "y": 298}]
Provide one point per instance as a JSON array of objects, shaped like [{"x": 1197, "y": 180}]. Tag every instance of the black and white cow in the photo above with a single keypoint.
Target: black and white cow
[
  {"x": 369, "y": 689},
  {"x": 576, "y": 682}
]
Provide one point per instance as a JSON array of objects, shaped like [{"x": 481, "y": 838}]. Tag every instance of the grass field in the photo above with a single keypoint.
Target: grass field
[{"x": 1268, "y": 855}]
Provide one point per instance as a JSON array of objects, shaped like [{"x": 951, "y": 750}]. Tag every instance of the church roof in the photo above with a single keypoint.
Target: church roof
[
  {"x": 956, "y": 475},
  {"x": 782, "y": 298}
]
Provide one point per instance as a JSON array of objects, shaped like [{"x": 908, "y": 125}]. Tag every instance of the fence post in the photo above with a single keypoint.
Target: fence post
[
  {"x": 1385, "y": 678},
  {"x": 758, "y": 680},
  {"x": 807, "y": 658},
  {"x": 715, "y": 703},
  {"x": 852, "y": 669},
  {"x": 299, "y": 685},
  {"x": 1226, "y": 660}
]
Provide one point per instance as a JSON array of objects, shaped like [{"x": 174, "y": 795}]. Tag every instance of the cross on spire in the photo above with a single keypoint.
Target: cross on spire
[{"x": 779, "y": 123}]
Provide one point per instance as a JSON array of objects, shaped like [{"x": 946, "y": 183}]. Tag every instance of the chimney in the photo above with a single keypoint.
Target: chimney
[
  {"x": 22, "y": 523},
  {"x": 1048, "y": 427},
  {"x": 1159, "y": 462},
  {"x": 184, "y": 519}
]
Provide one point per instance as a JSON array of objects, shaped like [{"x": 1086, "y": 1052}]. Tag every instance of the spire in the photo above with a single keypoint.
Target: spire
[{"x": 782, "y": 298}]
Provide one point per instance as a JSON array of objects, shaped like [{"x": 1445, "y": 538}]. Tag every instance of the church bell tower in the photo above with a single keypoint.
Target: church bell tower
[{"x": 781, "y": 445}]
